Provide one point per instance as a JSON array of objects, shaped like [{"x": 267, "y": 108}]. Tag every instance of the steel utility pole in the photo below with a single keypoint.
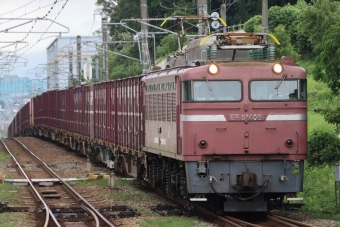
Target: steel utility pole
[
  {"x": 56, "y": 85},
  {"x": 201, "y": 11},
  {"x": 70, "y": 67},
  {"x": 144, "y": 36},
  {"x": 265, "y": 19},
  {"x": 79, "y": 59},
  {"x": 97, "y": 66},
  {"x": 105, "y": 48},
  {"x": 224, "y": 15}
]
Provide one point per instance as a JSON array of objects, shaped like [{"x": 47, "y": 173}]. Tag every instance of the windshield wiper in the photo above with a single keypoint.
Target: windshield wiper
[
  {"x": 280, "y": 82},
  {"x": 208, "y": 84}
]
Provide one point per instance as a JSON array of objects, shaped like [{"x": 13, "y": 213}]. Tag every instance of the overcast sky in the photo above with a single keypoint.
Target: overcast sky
[{"x": 77, "y": 15}]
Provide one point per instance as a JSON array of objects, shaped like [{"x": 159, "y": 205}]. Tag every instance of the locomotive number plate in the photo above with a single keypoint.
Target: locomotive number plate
[{"x": 248, "y": 117}]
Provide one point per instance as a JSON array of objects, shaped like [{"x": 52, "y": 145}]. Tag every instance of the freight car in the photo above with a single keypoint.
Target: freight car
[{"x": 223, "y": 125}]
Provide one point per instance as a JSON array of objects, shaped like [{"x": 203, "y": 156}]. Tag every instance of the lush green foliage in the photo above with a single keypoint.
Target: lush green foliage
[
  {"x": 249, "y": 26},
  {"x": 323, "y": 147},
  {"x": 320, "y": 21},
  {"x": 318, "y": 192},
  {"x": 285, "y": 48},
  {"x": 328, "y": 67},
  {"x": 332, "y": 112},
  {"x": 168, "y": 45},
  {"x": 237, "y": 12}
]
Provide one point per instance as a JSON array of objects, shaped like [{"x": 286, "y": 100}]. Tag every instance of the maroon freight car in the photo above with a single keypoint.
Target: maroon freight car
[{"x": 219, "y": 126}]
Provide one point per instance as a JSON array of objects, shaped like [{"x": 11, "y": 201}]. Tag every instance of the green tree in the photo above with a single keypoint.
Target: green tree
[
  {"x": 120, "y": 66},
  {"x": 288, "y": 16},
  {"x": 167, "y": 45},
  {"x": 328, "y": 60},
  {"x": 108, "y": 6},
  {"x": 323, "y": 148},
  {"x": 285, "y": 48},
  {"x": 316, "y": 18},
  {"x": 332, "y": 112},
  {"x": 249, "y": 26}
]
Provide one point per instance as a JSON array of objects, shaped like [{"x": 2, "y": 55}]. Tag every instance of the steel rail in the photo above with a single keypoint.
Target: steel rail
[
  {"x": 241, "y": 222},
  {"x": 93, "y": 214},
  {"x": 48, "y": 211},
  {"x": 233, "y": 222},
  {"x": 69, "y": 189},
  {"x": 292, "y": 221},
  {"x": 286, "y": 223}
]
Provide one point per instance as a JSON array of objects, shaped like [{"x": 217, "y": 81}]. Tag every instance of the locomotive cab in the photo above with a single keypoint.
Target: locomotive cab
[{"x": 244, "y": 133}]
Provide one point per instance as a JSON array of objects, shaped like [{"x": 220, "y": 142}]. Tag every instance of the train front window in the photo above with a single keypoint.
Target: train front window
[
  {"x": 278, "y": 90},
  {"x": 211, "y": 91}
]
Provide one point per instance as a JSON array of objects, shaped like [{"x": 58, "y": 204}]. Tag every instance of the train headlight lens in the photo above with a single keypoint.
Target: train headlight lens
[
  {"x": 277, "y": 68},
  {"x": 289, "y": 142},
  {"x": 203, "y": 143},
  {"x": 213, "y": 69}
]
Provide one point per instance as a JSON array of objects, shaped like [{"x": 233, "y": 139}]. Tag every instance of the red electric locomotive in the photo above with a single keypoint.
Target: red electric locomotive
[{"x": 224, "y": 124}]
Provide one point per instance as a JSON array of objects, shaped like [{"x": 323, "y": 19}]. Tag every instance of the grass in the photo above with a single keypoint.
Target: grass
[
  {"x": 171, "y": 222},
  {"x": 100, "y": 182},
  {"x": 130, "y": 194},
  {"x": 4, "y": 157},
  {"x": 14, "y": 219},
  {"x": 9, "y": 191},
  {"x": 10, "y": 194},
  {"x": 319, "y": 193}
]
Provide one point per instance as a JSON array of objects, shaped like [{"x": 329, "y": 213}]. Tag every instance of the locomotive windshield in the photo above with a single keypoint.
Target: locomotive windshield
[
  {"x": 207, "y": 91},
  {"x": 267, "y": 90}
]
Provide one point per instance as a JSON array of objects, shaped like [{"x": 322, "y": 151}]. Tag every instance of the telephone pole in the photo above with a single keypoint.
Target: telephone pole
[
  {"x": 105, "y": 48},
  {"x": 144, "y": 36},
  {"x": 224, "y": 15},
  {"x": 70, "y": 76},
  {"x": 202, "y": 23},
  {"x": 79, "y": 59},
  {"x": 265, "y": 19}
]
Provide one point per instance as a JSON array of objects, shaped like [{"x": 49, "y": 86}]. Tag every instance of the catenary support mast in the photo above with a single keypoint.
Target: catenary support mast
[
  {"x": 144, "y": 36},
  {"x": 265, "y": 19}
]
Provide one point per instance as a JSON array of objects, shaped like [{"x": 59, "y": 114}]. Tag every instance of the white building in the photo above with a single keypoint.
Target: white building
[{"x": 62, "y": 60}]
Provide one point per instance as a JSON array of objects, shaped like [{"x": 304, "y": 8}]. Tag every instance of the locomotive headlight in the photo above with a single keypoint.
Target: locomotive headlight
[
  {"x": 289, "y": 143},
  {"x": 213, "y": 69},
  {"x": 277, "y": 68},
  {"x": 203, "y": 143}
]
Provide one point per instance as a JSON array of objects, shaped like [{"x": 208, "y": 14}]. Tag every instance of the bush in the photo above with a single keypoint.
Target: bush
[
  {"x": 319, "y": 181},
  {"x": 323, "y": 148},
  {"x": 168, "y": 45},
  {"x": 252, "y": 23}
]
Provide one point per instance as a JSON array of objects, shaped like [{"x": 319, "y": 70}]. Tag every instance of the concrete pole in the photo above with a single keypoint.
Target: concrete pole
[
  {"x": 70, "y": 77},
  {"x": 224, "y": 15},
  {"x": 265, "y": 19},
  {"x": 105, "y": 48},
  {"x": 97, "y": 67},
  {"x": 56, "y": 79},
  {"x": 144, "y": 36},
  {"x": 79, "y": 59},
  {"x": 201, "y": 10}
]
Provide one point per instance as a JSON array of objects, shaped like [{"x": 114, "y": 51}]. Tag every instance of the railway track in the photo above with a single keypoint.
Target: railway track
[
  {"x": 60, "y": 204},
  {"x": 226, "y": 220},
  {"x": 62, "y": 209}
]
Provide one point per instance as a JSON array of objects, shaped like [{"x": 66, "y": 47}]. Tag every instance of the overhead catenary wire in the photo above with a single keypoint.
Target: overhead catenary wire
[{"x": 38, "y": 30}]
